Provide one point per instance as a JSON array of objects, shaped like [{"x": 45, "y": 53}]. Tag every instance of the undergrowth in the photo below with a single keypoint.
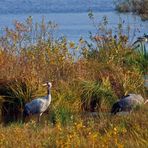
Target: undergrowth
[{"x": 86, "y": 77}]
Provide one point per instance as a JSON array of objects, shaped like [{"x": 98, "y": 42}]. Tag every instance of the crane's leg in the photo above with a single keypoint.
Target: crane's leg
[
  {"x": 130, "y": 109},
  {"x": 38, "y": 120},
  {"x": 39, "y": 116}
]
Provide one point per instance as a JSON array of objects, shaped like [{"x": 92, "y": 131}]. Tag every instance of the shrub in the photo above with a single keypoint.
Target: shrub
[
  {"x": 95, "y": 94},
  {"x": 140, "y": 7}
]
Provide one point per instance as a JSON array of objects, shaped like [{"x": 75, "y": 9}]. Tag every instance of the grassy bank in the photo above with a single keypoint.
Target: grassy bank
[
  {"x": 86, "y": 77},
  {"x": 136, "y": 6},
  {"x": 104, "y": 131}
]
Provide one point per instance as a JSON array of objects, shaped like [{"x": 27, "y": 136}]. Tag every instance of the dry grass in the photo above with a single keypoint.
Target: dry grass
[
  {"x": 105, "y": 131},
  {"x": 110, "y": 68}
]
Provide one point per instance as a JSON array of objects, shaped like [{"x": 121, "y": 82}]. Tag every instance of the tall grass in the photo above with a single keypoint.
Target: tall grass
[
  {"x": 106, "y": 69},
  {"x": 95, "y": 94},
  {"x": 120, "y": 131},
  {"x": 86, "y": 77}
]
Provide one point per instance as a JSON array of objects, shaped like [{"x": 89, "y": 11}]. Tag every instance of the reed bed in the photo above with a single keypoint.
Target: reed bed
[{"x": 86, "y": 77}]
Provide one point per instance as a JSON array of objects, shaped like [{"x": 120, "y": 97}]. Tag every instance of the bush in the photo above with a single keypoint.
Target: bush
[
  {"x": 139, "y": 7},
  {"x": 95, "y": 94}
]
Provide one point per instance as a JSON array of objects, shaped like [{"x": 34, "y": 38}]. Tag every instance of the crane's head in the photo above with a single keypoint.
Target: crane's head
[
  {"x": 48, "y": 84},
  {"x": 146, "y": 101}
]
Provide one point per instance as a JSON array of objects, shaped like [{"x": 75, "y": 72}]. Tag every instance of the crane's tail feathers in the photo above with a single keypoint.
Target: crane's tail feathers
[
  {"x": 26, "y": 112},
  {"x": 115, "y": 108}
]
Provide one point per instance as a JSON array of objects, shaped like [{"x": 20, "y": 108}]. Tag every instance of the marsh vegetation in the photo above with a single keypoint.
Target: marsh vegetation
[{"x": 86, "y": 77}]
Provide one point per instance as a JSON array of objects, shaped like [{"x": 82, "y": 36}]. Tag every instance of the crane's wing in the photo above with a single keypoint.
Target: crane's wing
[
  {"x": 131, "y": 101},
  {"x": 36, "y": 106},
  {"x": 135, "y": 99}
]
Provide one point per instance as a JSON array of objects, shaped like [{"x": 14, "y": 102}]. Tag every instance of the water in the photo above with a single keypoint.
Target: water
[
  {"x": 70, "y": 15},
  {"x": 54, "y": 6}
]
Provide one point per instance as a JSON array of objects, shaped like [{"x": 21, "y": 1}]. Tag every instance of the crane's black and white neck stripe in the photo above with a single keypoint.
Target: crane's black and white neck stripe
[{"x": 49, "y": 85}]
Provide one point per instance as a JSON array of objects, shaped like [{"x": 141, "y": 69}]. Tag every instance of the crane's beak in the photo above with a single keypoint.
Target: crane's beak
[
  {"x": 45, "y": 84},
  {"x": 146, "y": 101}
]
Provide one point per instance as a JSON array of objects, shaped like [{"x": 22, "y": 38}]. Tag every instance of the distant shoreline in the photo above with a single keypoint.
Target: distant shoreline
[{"x": 135, "y": 6}]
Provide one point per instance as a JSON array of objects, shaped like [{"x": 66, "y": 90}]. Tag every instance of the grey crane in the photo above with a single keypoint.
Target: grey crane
[
  {"x": 38, "y": 105},
  {"x": 127, "y": 103}
]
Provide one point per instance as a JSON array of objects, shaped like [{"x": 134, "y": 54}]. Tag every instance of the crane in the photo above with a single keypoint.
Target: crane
[
  {"x": 38, "y": 105},
  {"x": 127, "y": 103}
]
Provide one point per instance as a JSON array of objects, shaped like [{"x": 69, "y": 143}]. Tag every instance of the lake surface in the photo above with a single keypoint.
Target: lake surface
[{"x": 70, "y": 15}]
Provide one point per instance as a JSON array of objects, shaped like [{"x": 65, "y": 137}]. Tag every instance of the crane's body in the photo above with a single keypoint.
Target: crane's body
[
  {"x": 127, "y": 103},
  {"x": 38, "y": 105}
]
